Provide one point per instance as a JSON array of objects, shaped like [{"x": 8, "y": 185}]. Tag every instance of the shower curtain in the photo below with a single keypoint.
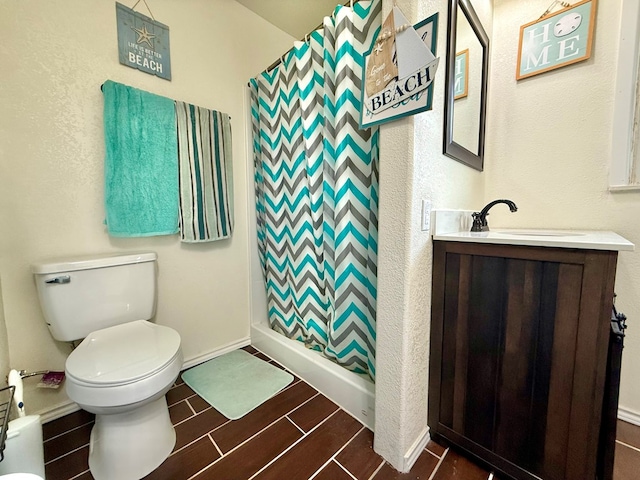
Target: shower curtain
[{"x": 316, "y": 177}]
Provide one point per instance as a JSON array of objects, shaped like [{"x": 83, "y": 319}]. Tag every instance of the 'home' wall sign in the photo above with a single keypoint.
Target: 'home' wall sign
[{"x": 556, "y": 40}]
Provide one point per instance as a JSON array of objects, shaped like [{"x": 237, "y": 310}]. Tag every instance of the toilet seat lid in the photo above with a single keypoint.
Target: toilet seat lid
[{"x": 123, "y": 353}]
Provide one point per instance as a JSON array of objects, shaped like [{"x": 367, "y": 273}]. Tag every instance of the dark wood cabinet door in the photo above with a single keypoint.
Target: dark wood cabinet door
[{"x": 518, "y": 355}]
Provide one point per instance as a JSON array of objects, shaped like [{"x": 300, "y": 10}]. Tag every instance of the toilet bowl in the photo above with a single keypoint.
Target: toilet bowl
[
  {"x": 124, "y": 365},
  {"x": 121, "y": 374}
]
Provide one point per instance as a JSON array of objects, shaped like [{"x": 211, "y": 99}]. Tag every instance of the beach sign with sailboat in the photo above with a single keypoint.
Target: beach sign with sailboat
[{"x": 399, "y": 70}]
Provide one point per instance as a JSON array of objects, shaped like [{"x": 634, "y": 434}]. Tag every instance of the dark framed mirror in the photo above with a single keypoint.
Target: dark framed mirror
[{"x": 466, "y": 85}]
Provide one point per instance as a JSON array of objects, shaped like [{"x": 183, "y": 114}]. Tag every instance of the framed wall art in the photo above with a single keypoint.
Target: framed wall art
[
  {"x": 143, "y": 42},
  {"x": 461, "y": 82},
  {"x": 556, "y": 39}
]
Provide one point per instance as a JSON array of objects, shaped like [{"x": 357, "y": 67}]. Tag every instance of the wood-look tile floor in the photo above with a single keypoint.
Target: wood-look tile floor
[{"x": 297, "y": 434}]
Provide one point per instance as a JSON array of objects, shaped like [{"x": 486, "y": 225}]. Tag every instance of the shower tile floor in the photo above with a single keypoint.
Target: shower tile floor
[{"x": 298, "y": 434}]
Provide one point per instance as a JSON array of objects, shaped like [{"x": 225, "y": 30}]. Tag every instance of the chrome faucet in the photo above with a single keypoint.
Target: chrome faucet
[{"x": 480, "y": 218}]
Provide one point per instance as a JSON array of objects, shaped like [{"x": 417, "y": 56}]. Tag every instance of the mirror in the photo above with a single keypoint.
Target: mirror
[{"x": 466, "y": 85}]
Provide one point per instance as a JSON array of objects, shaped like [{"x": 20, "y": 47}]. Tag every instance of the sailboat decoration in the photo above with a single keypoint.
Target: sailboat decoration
[
  {"x": 399, "y": 66},
  {"x": 411, "y": 52}
]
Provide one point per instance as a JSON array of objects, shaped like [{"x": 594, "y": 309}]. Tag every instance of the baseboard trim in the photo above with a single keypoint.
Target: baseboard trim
[
  {"x": 58, "y": 411},
  {"x": 53, "y": 413},
  {"x": 415, "y": 450},
  {"x": 230, "y": 347},
  {"x": 629, "y": 416}
]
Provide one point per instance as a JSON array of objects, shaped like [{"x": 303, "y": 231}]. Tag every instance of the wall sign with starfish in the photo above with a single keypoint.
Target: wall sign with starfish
[{"x": 143, "y": 42}]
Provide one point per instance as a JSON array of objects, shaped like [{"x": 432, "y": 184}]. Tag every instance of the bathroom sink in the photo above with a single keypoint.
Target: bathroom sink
[
  {"x": 455, "y": 226},
  {"x": 542, "y": 233}
]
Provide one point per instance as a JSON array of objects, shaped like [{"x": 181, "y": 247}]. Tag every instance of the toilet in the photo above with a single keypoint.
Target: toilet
[{"x": 124, "y": 365}]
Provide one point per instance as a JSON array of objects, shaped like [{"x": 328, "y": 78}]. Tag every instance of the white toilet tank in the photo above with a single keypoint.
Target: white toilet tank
[{"x": 84, "y": 294}]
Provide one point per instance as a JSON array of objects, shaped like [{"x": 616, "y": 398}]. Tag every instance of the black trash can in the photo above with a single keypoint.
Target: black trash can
[{"x": 606, "y": 450}]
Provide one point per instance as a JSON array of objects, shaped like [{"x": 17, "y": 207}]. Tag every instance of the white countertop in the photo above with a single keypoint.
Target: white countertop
[
  {"x": 445, "y": 226},
  {"x": 592, "y": 240}
]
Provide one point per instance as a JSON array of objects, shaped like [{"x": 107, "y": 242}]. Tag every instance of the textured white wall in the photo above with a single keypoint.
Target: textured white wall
[
  {"x": 549, "y": 149},
  {"x": 4, "y": 346},
  {"x": 54, "y": 56},
  {"x": 412, "y": 168}
]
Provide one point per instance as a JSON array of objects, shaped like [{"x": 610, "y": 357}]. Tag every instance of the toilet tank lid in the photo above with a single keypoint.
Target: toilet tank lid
[{"x": 92, "y": 261}]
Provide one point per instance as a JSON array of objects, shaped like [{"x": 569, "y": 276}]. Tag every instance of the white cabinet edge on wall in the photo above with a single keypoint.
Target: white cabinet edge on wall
[{"x": 625, "y": 97}]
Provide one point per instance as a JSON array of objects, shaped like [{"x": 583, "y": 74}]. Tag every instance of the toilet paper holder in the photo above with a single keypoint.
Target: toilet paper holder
[{"x": 6, "y": 399}]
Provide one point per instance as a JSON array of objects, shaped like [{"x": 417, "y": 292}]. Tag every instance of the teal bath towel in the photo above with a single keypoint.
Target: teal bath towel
[{"x": 141, "y": 163}]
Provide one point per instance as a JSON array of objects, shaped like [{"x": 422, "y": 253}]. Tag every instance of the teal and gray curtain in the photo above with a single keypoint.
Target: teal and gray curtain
[{"x": 316, "y": 177}]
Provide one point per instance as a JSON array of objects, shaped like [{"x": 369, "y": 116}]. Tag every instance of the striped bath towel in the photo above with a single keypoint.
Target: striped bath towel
[{"x": 205, "y": 173}]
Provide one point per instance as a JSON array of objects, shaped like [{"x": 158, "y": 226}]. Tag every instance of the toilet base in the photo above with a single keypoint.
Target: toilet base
[{"x": 130, "y": 445}]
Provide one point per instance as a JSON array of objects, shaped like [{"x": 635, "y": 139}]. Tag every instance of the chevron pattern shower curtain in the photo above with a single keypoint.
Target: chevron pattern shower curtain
[{"x": 316, "y": 177}]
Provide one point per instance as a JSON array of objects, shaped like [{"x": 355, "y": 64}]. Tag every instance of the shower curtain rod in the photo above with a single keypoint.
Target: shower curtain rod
[{"x": 349, "y": 3}]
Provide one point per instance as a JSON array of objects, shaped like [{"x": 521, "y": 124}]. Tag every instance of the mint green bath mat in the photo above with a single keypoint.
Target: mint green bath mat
[{"x": 237, "y": 382}]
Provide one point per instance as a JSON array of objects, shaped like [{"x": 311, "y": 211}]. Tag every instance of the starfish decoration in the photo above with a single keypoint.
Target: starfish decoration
[
  {"x": 378, "y": 48},
  {"x": 144, "y": 35}
]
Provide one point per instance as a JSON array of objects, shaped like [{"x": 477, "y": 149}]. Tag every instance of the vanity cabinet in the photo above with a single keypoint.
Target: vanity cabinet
[{"x": 518, "y": 359}]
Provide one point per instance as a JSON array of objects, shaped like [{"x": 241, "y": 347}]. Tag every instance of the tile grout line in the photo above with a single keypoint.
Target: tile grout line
[
  {"x": 427, "y": 450},
  {"x": 277, "y": 457},
  {"x": 200, "y": 437},
  {"x": 187, "y": 445},
  {"x": 345, "y": 469},
  {"x": 335, "y": 459},
  {"x": 80, "y": 474},
  {"x": 435, "y": 470},
  {"x": 67, "y": 453},
  {"x": 222, "y": 455},
  {"x": 195, "y": 475},
  {"x": 215, "y": 445},
  {"x": 298, "y": 407},
  {"x": 375, "y": 472},
  {"x": 295, "y": 425},
  {"x": 303, "y": 403},
  {"x": 300, "y": 379},
  {"x": 192, "y": 416},
  {"x": 252, "y": 436},
  {"x": 628, "y": 446},
  {"x": 272, "y": 423},
  {"x": 181, "y": 400},
  {"x": 290, "y": 447},
  {"x": 336, "y": 454},
  {"x": 248, "y": 439},
  {"x": 67, "y": 431},
  {"x": 192, "y": 409}
]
